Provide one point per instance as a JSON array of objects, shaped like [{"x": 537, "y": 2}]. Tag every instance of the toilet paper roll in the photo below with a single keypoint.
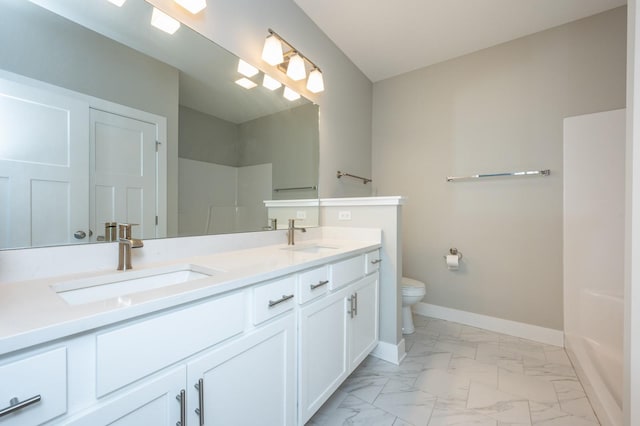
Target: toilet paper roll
[{"x": 452, "y": 262}]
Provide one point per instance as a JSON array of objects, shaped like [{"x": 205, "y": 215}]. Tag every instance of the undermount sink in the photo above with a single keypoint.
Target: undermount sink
[
  {"x": 312, "y": 248},
  {"x": 109, "y": 286}
]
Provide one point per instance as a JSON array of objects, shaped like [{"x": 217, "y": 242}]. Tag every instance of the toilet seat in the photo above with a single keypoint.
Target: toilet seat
[{"x": 411, "y": 287}]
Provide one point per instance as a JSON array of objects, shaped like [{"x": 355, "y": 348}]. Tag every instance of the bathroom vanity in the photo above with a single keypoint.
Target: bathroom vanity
[{"x": 257, "y": 336}]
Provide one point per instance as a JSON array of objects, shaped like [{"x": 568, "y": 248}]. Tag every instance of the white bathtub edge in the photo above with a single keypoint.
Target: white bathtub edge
[
  {"x": 602, "y": 401},
  {"x": 536, "y": 333}
]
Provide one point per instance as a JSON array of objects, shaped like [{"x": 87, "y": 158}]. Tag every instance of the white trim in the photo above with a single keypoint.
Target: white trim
[
  {"x": 311, "y": 202},
  {"x": 363, "y": 201},
  {"x": 499, "y": 325},
  {"x": 390, "y": 352}
]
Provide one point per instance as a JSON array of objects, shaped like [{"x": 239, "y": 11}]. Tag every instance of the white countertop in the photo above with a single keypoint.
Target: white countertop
[{"x": 31, "y": 312}]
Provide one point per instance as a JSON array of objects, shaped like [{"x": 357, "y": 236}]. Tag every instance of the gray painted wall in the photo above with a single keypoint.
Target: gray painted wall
[
  {"x": 204, "y": 137},
  {"x": 289, "y": 141},
  {"x": 499, "y": 109},
  {"x": 345, "y": 106}
]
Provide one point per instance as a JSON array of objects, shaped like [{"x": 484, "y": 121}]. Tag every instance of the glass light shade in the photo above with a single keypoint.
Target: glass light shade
[
  {"x": 118, "y": 3},
  {"x": 193, "y": 6},
  {"x": 315, "y": 83},
  {"x": 290, "y": 94},
  {"x": 272, "y": 51},
  {"x": 296, "y": 70},
  {"x": 246, "y": 83},
  {"x": 246, "y": 69},
  {"x": 271, "y": 83},
  {"x": 164, "y": 22}
]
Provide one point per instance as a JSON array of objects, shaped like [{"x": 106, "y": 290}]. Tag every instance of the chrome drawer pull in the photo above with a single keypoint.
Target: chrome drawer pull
[
  {"x": 15, "y": 405},
  {"x": 284, "y": 298},
  {"x": 320, "y": 284},
  {"x": 200, "y": 409},
  {"x": 373, "y": 262},
  {"x": 355, "y": 309},
  {"x": 182, "y": 397},
  {"x": 351, "y": 310}
]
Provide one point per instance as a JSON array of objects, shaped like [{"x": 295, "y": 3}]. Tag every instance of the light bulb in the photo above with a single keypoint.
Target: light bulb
[
  {"x": 193, "y": 6},
  {"x": 272, "y": 51},
  {"x": 315, "y": 83},
  {"x": 164, "y": 22},
  {"x": 246, "y": 83},
  {"x": 296, "y": 70},
  {"x": 290, "y": 94},
  {"x": 271, "y": 83},
  {"x": 246, "y": 69}
]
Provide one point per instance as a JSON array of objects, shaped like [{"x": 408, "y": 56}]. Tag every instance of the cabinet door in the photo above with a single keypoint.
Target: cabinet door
[
  {"x": 247, "y": 382},
  {"x": 152, "y": 403},
  {"x": 323, "y": 351},
  {"x": 363, "y": 327}
]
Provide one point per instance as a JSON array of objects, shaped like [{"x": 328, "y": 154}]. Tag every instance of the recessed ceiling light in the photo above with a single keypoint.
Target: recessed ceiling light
[
  {"x": 290, "y": 94},
  {"x": 118, "y": 3},
  {"x": 164, "y": 22},
  {"x": 246, "y": 83},
  {"x": 246, "y": 69},
  {"x": 193, "y": 6},
  {"x": 271, "y": 83}
]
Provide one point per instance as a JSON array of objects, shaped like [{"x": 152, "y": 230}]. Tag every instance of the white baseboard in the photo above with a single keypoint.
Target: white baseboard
[
  {"x": 390, "y": 352},
  {"x": 512, "y": 328}
]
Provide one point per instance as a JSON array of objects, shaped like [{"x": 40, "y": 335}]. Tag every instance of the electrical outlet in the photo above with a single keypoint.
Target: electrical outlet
[
  {"x": 301, "y": 214},
  {"x": 344, "y": 215}
]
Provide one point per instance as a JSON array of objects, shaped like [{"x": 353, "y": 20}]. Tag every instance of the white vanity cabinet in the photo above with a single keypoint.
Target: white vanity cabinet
[
  {"x": 248, "y": 382},
  {"x": 336, "y": 333}
]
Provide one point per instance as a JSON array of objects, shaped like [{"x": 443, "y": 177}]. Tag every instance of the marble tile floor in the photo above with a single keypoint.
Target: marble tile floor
[{"x": 459, "y": 375}]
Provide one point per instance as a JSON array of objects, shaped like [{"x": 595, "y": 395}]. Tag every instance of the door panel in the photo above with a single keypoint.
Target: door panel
[
  {"x": 124, "y": 173},
  {"x": 44, "y": 155}
]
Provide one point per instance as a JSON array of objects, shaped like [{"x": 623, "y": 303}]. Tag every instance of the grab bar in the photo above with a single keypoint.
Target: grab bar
[
  {"x": 364, "y": 180},
  {"x": 546, "y": 172}
]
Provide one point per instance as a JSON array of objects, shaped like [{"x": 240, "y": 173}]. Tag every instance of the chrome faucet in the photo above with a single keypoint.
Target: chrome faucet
[
  {"x": 291, "y": 232},
  {"x": 125, "y": 245}
]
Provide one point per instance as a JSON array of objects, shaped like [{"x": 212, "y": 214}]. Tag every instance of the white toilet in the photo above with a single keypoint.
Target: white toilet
[{"x": 412, "y": 292}]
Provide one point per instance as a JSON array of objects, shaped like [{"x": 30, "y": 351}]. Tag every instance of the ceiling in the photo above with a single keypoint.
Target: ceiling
[{"x": 385, "y": 38}]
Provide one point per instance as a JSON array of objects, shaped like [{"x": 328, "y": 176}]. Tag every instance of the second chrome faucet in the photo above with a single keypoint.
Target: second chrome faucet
[{"x": 125, "y": 245}]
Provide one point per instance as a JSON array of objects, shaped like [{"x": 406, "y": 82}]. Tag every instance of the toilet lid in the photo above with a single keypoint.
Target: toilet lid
[{"x": 412, "y": 287}]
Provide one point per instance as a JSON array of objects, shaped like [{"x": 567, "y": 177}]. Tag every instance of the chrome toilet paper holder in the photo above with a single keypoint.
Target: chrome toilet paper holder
[{"x": 455, "y": 252}]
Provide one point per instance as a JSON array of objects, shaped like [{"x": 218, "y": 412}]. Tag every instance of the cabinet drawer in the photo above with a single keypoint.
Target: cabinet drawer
[
  {"x": 43, "y": 375},
  {"x": 312, "y": 284},
  {"x": 346, "y": 271},
  {"x": 273, "y": 298},
  {"x": 129, "y": 353},
  {"x": 372, "y": 261}
]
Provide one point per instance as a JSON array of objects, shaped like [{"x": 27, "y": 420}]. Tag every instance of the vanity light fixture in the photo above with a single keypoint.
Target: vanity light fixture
[
  {"x": 118, "y": 3},
  {"x": 246, "y": 69},
  {"x": 193, "y": 6},
  {"x": 164, "y": 22},
  {"x": 296, "y": 69},
  {"x": 271, "y": 83},
  {"x": 290, "y": 94},
  {"x": 272, "y": 51},
  {"x": 246, "y": 83},
  {"x": 315, "y": 82},
  {"x": 292, "y": 62}
]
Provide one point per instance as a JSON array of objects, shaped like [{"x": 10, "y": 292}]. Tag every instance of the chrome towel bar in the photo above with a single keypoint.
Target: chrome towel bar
[
  {"x": 299, "y": 188},
  {"x": 546, "y": 172},
  {"x": 364, "y": 180}
]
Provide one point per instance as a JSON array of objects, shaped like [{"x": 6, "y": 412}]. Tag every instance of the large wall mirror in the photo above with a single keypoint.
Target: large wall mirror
[{"x": 104, "y": 118}]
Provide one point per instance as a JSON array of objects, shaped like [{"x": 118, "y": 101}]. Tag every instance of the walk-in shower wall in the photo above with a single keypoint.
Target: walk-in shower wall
[{"x": 593, "y": 254}]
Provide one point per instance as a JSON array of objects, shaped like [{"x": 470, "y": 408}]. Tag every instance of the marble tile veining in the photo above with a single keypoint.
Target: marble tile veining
[{"x": 459, "y": 375}]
